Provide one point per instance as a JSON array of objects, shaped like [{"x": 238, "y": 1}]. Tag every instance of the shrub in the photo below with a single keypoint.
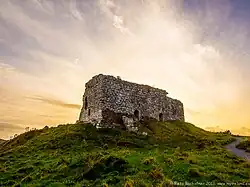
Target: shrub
[
  {"x": 200, "y": 145},
  {"x": 169, "y": 161},
  {"x": 192, "y": 160},
  {"x": 215, "y": 177},
  {"x": 181, "y": 158},
  {"x": 129, "y": 183},
  {"x": 231, "y": 156},
  {"x": 185, "y": 154},
  {"x": 167, "y": 183},
  {"x": 9, "y": 183},
  {"x": 244, "y": 145},
  {"x": 178, "y": 152},
  {"x": 142, "y": 184},
  {"x": 105, "y": 146},
  {"x": 27, "y": 179},
  {"x": 148, "y": 161},
  {"x": 177, "y": 149},
  {"x": 238, "y": 160},
  {"x": 17, "y": 185},
  {"x": 194, "y": 172},
  {"x": 214, "y": 148},
  {"x": 45, "y": 128},
  {"x": 227, "y": 132},
  {"x": 156, "y": 174},
  {"x": 25, "y": 169}
]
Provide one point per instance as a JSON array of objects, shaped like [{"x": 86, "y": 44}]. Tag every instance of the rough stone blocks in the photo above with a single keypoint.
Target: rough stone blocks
[{"x": 110, "y": 102}]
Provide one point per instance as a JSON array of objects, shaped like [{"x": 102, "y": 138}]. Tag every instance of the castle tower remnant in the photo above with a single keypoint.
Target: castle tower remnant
[{"x": 111, "y": 101}]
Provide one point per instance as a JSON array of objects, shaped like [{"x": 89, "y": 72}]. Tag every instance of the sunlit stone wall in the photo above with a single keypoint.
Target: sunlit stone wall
[{"x": 108, "y": 100}]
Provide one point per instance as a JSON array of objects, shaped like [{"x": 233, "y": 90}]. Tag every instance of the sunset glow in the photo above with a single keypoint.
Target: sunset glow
[{"x": 50, "y": 49}]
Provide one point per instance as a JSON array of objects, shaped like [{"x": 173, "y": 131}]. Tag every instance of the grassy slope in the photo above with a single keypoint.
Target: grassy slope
[
  {"x": 245, "y": 144},
  {"x": 81, "y": 155},
  {"x": 1, "y": 141}
]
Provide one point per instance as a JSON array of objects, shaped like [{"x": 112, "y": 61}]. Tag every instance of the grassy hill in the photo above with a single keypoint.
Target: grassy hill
[
  {"x": 1, "y": 141},
  {"x": 81, "y": 155},
  {"x": 245, "y": 144}
]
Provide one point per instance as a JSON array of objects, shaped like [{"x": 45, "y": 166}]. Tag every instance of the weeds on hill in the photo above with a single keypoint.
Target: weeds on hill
[{"x": 81, "y": 155}]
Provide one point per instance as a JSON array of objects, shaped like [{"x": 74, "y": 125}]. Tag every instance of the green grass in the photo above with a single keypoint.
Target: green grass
[
  {"x": 81, "y": 155},
  {"x": 245, "y": 144}
]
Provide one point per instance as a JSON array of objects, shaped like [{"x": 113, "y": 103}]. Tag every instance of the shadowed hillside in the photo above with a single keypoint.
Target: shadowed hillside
[
  {"x": 82, "y": 155},
  {"x": 245, "y": 145},
  {"x": 1, "y": 141}
]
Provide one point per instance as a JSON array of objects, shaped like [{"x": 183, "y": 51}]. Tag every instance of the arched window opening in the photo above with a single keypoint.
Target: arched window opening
[
  {"x": 160, "y": 117},
  {"x": 136, "y": 114},
  {"x": 85, "y": 103},
  {"x": 89, "y": 112}
]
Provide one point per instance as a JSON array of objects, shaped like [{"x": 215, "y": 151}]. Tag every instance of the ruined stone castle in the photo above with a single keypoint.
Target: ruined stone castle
[{"x": 109, "y": 101}]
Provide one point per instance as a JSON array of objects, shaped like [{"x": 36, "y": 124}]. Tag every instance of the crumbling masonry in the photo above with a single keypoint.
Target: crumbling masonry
[{"x": 110, "y": 102}]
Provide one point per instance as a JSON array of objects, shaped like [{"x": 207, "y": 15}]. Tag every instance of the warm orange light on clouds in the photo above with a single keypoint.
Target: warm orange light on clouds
[{"x": 64, "y": 44}]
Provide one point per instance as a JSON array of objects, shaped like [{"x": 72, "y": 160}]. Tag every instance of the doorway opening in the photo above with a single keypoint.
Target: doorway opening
[
  {"x": 137, "y": 115},
  {"x": 160, "y": 117}
]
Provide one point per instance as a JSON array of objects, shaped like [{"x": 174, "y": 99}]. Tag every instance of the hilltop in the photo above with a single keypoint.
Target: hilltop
[
  {"x": 1, "y": 141},
  {"x": 83, "y": 155}
]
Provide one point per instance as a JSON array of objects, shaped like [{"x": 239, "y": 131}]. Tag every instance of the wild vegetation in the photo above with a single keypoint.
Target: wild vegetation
[
  {"x": 245, "y": 144},
  {"x": 82, "y": 155},
  {"x": 1, "y": 141}
]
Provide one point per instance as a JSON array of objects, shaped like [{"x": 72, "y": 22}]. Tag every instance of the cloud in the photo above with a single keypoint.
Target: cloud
[
  {"x": 191, "y": 112},
  {"x": 8, "y": 129},
  {"x": 5, "y": 125},
  {"x": 112, "y": 12},
  {"x": 237, "y": 131},
  {"x": 50, "y": 49},
  {"x": 6, "y": 70},
  {"x": 55, "y": 102}
]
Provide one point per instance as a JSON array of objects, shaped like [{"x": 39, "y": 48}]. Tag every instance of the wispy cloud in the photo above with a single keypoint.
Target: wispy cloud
[
  {"x": 49, "y": 49},
  {"x": 4, "y": 126},
  {"x": 8, "y": 129},
  {"x": 237, "y": 131},
  {"x": 55, "y": 102}
]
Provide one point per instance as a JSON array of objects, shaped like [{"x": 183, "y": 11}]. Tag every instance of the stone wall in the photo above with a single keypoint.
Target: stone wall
[
  {"x": 110, "y": 99},
  {"x": 92, "y": 101}
]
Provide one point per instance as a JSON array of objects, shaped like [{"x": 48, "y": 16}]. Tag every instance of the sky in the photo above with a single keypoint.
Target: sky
[{"x": 196, "y": 50}]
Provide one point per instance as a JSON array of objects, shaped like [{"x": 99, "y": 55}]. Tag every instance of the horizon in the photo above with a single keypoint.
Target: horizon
[{"x": 197, "y": 51}]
